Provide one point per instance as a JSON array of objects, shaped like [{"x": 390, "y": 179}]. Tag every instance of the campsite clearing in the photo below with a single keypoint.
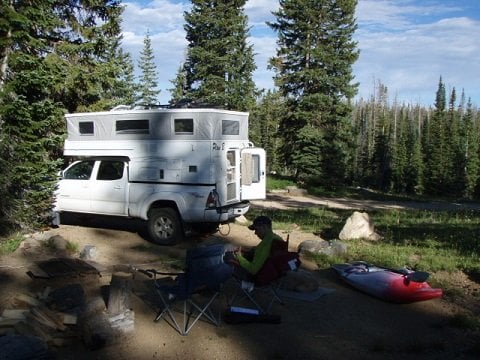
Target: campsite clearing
[{"x": 343, "y": 324}]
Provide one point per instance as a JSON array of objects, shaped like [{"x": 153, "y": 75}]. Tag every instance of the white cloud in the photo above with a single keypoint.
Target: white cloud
[
  {"x": 409, "y": 56},
  {"x": 260, "y": 11},
  {"x": 156, "y": 16},
  {"x": 397, "y": 14}
]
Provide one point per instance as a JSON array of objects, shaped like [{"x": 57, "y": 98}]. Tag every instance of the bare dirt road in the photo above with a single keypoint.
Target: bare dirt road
[{"x": 344, "y": 324}]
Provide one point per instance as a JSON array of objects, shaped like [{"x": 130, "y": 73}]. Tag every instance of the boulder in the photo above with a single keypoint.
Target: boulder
[
  {"x": 58, "y": 242},
  {"x": 329, "y": 248},
  {"x": 358, "y": 226}
]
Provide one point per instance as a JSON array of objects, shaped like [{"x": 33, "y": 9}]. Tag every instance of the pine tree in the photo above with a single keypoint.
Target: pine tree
[
  {"x": 455, "y": 143},
  {"x": 62, "y": 60},
  {"x": 179, "y": 90},
  {"x": 263, "y": 127},
  {"x": 148, "y": 81},
  {"x": 219, "y": 62},
  {"x": 313, "y": 68},
  {"x": 471, "y": 153},
  {"x": 414, "y": 167},
  {"x": 436, "y": 150}
]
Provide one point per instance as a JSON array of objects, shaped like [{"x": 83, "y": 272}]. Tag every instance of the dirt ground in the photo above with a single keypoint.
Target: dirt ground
[{"x": 344, "y": 324}]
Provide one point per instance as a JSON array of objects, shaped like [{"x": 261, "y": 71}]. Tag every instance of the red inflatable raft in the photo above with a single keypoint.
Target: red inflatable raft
[{"x": 399, "y": 286}]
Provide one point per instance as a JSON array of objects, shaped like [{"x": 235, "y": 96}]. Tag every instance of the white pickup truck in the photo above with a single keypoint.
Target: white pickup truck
[{"x": 178, "y": 169}]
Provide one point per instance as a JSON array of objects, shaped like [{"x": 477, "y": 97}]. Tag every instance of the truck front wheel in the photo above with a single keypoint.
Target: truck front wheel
[{"x": 164, "y": 226}]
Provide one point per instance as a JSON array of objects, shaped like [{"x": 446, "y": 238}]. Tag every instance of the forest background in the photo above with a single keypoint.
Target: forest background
[{"x": 59, "y": 56}]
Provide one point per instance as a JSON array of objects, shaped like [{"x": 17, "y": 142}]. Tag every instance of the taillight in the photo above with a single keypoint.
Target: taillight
[{"x": 212, "y": 199}]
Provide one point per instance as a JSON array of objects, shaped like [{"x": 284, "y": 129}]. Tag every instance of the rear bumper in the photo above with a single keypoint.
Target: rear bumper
[{"x": 226, "y": 213}]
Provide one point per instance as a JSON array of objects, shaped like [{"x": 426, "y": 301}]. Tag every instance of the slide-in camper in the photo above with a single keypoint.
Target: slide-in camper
[{"x": 175, "y": 168}]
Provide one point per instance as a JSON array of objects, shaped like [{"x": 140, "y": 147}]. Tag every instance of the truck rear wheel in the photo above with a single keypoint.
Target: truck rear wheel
[{"x": 164, "y": 226}]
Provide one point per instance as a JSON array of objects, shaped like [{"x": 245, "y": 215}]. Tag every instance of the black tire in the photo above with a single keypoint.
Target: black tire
[{"x": 164, "y": 226}]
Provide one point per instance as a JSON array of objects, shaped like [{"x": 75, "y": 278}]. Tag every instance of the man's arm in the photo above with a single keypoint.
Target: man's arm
[{"x": 262, "y": 251}]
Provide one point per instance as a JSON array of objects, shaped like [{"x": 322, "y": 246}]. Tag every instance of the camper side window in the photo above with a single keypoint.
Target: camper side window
[
  {"x": 183, "y": 126},
  {"x": 79, "y": 171},
  {"x": 85, "y": 127},
  {"x": 110, "y": 170},
  {"x": 132, "y": 126},
  {"x": 230, "y": 127}
]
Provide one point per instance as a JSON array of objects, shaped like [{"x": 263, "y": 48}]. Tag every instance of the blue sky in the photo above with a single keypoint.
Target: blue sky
[{"x": 405, "y": 44}]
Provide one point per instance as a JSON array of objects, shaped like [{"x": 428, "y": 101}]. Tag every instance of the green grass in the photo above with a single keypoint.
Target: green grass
[
  {"x": 10, "y": 244},
  {"x": 279, "y": 182},
  {"x": 429, "y": 240}
]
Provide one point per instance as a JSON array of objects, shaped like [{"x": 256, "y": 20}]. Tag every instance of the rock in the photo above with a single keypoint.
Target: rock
[
  {"x": 89, "y": 252},
  {"x": 330, "y": 248},
  {"x": 58, "y": 242},
  {"x": 358, "y": 226}
]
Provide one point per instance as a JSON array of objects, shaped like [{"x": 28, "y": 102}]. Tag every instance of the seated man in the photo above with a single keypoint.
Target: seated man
[{"x": 248, "y": 265}]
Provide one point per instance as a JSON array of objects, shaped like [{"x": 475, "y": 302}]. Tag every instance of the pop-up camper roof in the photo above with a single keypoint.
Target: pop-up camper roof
[
  {"x": 158, "y": 124},
  {"x": 135, "y": 132}
]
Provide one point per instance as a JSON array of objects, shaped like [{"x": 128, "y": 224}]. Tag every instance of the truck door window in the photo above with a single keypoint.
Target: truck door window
[
  {"x": 110, "y": 170},
  {"x": 79, "y": 171}
]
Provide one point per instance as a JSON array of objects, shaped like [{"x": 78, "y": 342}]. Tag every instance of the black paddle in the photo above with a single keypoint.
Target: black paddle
[{"x": 415, "y": 276}]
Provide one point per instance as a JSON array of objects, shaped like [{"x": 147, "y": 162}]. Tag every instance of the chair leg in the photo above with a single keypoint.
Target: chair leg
[
  {"x": 249, "y": 294},
  {"x": 167, "y": 311},
  {"x": 192, "y": 311},
  {"x": 202, "y": 311}
]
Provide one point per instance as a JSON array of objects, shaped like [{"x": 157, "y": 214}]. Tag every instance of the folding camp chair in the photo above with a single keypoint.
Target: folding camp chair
[
  {"x": 195, "y": 289},
  {"x": 268, "y": 279}
]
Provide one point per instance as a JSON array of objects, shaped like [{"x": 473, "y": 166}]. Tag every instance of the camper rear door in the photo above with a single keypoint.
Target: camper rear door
[{"x": 253, "y": 177}]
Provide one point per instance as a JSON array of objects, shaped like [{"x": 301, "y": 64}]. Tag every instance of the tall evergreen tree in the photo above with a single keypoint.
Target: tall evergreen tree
[
  {"x": 455, "y": 144},
  {"x": 178, "y": 92},
  {"x": 219, "y": 62},
  {"x": 436, "y": 150},
  {"x": 148, "y": 92},
  {"x": 264, "y": 121},
  {"x": 313, "y": 68},
  {"x": 56, "y": 56},
  {"x": 414, "y": 167},
  {"x": 471, "y": 153}
]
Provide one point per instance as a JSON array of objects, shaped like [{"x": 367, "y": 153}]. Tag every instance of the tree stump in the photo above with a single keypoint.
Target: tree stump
[{"x": 119, "y": 293}]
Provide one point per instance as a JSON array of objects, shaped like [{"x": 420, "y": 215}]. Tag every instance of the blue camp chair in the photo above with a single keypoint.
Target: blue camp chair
[{"x": 195, "y": 289}]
